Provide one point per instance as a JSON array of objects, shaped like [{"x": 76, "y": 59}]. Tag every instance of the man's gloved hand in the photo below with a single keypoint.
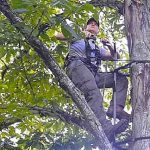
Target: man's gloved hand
[
  {"x": 112, "y": 49},
  {"x": 89, "y": 35},
  {"x": 105, "y": 42}
]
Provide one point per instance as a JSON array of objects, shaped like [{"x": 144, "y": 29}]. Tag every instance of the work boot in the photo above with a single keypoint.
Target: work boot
[
  {"x": 107, "y": 126},
  {"x": 120, "y": 113},
  {"x": 112, "y": 130}
]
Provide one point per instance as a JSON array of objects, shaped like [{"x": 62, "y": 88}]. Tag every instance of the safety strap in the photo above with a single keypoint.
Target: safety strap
[
  {"x": 114, "y": 89},
  {"x": 128, "y": 65},
  {"x": 95, "y": 52}
]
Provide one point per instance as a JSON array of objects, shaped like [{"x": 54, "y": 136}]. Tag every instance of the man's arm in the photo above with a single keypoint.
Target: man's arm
[
  {"x": 111, "y": 54},
  {"x": 60, "y": 36}
]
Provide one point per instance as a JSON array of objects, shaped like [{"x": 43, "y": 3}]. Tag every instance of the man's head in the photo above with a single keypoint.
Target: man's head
[
  {"x": 92, "y": 26},
  {"x": 93, "y": 20}
]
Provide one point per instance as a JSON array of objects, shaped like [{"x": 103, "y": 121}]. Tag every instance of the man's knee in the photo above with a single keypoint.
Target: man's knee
[
  {"x": 122, "y": 82},
  {"x": 125, "y": 81},
  {"x": 94, "y": 95}
]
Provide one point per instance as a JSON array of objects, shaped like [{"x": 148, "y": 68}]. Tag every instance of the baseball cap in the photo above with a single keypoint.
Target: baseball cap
[{"x": 92, "y": 19}]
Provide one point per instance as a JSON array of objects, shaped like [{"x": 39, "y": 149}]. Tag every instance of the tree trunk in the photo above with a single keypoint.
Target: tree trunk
[{"x": 137, "y": 21}]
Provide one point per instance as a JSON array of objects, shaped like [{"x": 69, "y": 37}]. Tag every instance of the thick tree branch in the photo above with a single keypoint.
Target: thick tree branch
[
  {"x": 63, "y": 79},
  {"x": 62, "y": 115},
  {"x": 109, "y": 3},
  {"x": 50, "y": 112},
  {"x": 10, "y": 121},
  {"x": 54, "y": 112}
]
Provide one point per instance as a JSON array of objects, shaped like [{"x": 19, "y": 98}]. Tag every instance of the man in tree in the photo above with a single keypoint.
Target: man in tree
[{"x": 82, "y": 64}]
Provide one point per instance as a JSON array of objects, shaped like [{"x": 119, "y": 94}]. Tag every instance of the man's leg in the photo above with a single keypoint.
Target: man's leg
[
  {"x": 85, "y": 81},
  {"x": 121, "y": 92},
  {"x": 83, "y": 78}
]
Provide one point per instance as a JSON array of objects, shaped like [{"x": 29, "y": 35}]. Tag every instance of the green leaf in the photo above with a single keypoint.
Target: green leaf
[
  {"x": 68, "y": 31},
  {"x": 20, "y": 11}
]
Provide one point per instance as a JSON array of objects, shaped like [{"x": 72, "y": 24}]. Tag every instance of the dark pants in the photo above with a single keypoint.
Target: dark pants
[{"x": 90, "y": 83}]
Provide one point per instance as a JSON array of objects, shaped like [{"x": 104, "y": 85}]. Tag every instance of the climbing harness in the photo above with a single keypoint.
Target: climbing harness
[{"x": 93, "y": 55}]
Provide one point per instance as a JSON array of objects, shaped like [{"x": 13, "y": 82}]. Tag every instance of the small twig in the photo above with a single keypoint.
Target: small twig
[
  {"x": 5, "y": 70},
  {"x": 39, "y": 21},
  {"x": 25, "y": 71}
]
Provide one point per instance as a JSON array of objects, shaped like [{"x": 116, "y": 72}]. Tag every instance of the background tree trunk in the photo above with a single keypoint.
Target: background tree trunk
[{"x": 137, "y": 21}]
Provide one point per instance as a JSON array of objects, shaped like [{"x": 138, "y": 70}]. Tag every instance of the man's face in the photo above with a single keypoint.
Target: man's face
[{"x": 92, "y": 27}]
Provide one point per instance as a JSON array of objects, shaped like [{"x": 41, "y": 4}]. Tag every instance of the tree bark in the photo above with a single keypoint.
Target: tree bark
[
  {"x": 63, "y": 79},
  {"x": 118, "y": 5},
  {"x": 62, "y": 115},
  {"x": 137, "y": 21},
  {"x": 54, "y": 112}
]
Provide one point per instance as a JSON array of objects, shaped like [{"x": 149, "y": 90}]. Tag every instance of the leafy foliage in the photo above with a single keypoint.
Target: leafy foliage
[{"x": 26, "y": 82}]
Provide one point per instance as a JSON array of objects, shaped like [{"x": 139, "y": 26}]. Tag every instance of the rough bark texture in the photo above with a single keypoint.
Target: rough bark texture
[
  {"x": 64, "y": 81},
  {"x": 137, "y": 21},
  {"x": 52, "y": 111},
  {"x": 109, "y": 3},
  {"x": 62, "y": 115}
]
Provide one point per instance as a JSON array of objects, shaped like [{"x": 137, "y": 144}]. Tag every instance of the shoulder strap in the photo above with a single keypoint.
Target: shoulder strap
[{"x": 87, "y": 50}]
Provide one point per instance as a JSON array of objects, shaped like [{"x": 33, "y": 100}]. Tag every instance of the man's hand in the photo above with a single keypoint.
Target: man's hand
[
  {"x": 60, "y": 36},
  {"x": 88, "y": 34},
  {"x": 105, "y": 42},
  {"x": 113, "y": 52}
]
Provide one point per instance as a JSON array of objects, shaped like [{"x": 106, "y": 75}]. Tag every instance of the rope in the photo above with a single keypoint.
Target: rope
[
  {"x": 105, "y": 80},
  {"x": 128, "y": 65},
  {"x": 133, "y": 60},
  {"x": 132, "y": 140},
  {"x": 114, "y": 89},
  {"x": 141, "y": 138}
]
